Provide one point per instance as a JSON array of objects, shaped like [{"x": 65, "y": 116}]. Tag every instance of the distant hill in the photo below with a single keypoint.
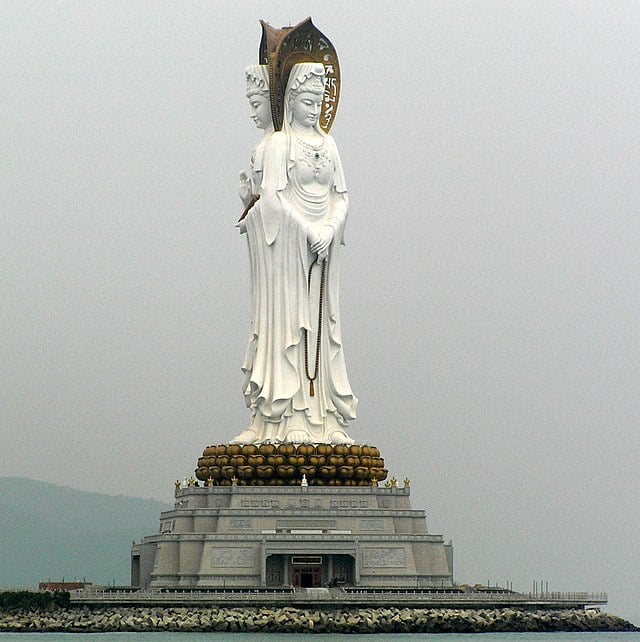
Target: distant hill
[{"x": 51, "y": 532}]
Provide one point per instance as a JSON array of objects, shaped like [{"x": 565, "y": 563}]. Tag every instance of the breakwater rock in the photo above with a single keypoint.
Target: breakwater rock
[{"x": 292, "y": 620}]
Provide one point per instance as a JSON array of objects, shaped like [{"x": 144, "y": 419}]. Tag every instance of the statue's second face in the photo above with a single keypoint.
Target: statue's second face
[
  {"x": 306, "y": 108},
  {"x": 260, "y": 110}
]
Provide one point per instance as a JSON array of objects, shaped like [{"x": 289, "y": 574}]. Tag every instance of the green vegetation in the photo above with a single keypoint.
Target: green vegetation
[{"x": 33, "y": 601}]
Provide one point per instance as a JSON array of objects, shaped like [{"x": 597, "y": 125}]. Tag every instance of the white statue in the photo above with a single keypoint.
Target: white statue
[
  {"x": 295, "y": 379},
  {"x": 257, "y": 77}
]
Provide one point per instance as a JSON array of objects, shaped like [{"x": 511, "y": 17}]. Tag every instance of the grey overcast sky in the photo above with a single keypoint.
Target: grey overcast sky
[{"x": 490, "y": 281}]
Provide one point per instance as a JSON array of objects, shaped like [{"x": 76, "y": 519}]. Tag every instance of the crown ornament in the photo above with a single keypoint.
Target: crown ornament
[
  {"x": 314, "y": 84},
  {"x": 281, "y": 49},
  {"x": 257, "y": 80}
]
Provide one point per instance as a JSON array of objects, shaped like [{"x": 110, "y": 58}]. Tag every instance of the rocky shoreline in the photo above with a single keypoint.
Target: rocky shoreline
[{"x": 292, "y": 620}]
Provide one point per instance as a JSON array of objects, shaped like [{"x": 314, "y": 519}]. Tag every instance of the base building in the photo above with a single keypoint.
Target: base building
[{"x": 303, "y": 536}]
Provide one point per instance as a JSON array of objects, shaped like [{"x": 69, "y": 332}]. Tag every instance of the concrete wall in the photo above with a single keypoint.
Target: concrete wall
[{"x": 222, "y": 536}]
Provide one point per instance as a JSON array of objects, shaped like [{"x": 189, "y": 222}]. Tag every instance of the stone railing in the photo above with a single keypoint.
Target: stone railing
[
  {"x": 442, "y": 596},
  {"x": 337, "y": 597}
]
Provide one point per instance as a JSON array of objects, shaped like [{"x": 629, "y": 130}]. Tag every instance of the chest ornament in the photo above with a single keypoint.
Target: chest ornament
[{"x": 314, "y": 156}]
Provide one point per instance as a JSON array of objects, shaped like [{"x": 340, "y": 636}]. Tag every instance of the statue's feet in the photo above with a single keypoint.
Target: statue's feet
[
  {"x": 340, "y": 437},
  {"x": 247, "y": 437},
  {"x": 298, "y": 437}
]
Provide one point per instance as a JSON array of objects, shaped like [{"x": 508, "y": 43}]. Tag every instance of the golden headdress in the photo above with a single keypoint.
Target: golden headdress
[{"x": 280, "y": 49}]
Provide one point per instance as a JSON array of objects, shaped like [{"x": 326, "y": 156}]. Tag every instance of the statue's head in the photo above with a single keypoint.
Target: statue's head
[
  {"x": 304, "y": 95},
  {"x": 258, "y": 94}
]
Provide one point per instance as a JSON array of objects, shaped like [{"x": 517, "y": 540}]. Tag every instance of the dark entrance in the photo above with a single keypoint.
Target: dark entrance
[
  {"x": 308, "y": 577},
  {"x": 306, "y": 571}
]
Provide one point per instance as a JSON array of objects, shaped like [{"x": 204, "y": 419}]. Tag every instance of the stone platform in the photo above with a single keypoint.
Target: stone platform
[{"x": 232, "y": 535}]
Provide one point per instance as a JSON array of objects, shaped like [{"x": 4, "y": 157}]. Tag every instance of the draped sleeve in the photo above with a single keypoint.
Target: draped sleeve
[
  {"x": 338, "y": 176},
  {"x": 257, "y": 160},
  {"x": 273, "y": 166}
]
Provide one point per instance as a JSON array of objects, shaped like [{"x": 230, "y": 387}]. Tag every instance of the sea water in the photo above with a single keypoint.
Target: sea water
[{"x": 321, "y": 637}]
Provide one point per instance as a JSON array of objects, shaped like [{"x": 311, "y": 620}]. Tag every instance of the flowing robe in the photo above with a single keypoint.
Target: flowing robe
[{"x": 302, "y": 189}]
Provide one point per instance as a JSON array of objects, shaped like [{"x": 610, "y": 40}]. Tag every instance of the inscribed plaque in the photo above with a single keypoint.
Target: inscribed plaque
[
  {"x": 232, "y": 557},
  {"x": 383, "y": 558}
]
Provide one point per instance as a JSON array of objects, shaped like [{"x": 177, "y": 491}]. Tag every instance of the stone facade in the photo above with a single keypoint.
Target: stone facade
[{"x": 274, "y": 536}]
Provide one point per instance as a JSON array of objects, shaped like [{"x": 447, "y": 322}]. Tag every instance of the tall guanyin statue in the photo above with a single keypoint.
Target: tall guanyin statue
[{"x": 295, "y": 197}]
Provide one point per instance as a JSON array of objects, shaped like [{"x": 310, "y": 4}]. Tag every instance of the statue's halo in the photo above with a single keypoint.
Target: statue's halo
[{"x": 281, "y": 49}]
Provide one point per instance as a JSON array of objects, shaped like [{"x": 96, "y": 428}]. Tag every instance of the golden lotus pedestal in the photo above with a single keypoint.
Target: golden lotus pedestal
[{"x": 291, "y": 465}]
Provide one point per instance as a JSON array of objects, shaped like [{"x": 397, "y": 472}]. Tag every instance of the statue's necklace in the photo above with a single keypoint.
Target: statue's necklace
[{"x": 314, "y": 155}]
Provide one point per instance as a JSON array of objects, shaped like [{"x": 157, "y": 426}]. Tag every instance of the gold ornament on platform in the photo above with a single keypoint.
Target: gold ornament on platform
[{"x": 287, "y": 464}]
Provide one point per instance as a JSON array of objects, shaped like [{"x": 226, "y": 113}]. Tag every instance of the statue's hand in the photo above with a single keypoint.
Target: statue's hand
[
  {"x": 321, "y": 243},
  {"x": 245, "y": 188}
]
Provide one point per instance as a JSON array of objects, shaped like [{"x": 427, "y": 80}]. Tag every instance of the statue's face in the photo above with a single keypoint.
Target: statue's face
[
  {"x": 260, "y": 110},
  {"x": 306, "y": 108}
]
